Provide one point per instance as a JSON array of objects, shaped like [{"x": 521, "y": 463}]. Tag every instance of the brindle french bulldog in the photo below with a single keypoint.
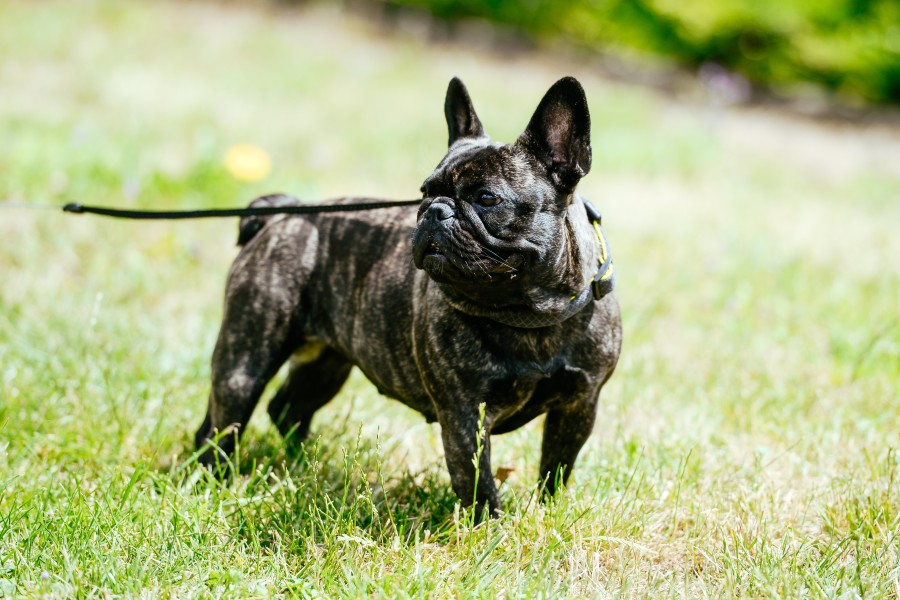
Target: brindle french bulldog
[{"x": 497, "y": 310}]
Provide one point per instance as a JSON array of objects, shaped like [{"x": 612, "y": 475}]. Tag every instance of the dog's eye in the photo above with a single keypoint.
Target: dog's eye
[{"x": 486, "y": 198}]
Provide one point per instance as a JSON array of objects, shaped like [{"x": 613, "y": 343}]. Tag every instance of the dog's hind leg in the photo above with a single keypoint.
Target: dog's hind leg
[
  {"x": 255, "y": 339},
  {"x": 243, "y": 363},
  {"x": 317, "y": 375},
  {"x": 260, "y": 327}
]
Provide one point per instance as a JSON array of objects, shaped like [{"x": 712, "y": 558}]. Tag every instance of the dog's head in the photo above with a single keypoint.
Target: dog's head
[{"x": 495, "y": 225}]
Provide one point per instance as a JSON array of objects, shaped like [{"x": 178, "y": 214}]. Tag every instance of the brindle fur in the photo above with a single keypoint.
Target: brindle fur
[{"x": 331, "y": 291}]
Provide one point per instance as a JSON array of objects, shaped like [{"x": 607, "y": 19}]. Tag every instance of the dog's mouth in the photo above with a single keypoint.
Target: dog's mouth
[
  {"x": 445, "y": 263},
  {"x": 429, "y": 250},
  {"x": 432, "y": 258}
]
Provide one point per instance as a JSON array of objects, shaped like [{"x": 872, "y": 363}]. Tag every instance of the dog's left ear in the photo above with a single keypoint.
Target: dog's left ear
[
  {"x": 559, "y": 133},
  {"x": 461, "y": 118}
]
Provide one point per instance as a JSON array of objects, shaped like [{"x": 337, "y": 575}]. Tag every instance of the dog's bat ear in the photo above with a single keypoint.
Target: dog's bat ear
[
  {"x": 559, "y": 133},
  {"x": 461, "y": 118}
]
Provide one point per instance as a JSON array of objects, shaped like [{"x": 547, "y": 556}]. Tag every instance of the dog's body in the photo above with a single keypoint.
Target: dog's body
[{"x": 503, "y": 248}]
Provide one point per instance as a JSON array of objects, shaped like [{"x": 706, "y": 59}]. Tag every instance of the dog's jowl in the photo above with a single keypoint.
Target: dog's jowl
[{"x": 482, "y": 296}]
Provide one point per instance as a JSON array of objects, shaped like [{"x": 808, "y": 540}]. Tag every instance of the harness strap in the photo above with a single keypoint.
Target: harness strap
[{"x": 604, "y": 280}]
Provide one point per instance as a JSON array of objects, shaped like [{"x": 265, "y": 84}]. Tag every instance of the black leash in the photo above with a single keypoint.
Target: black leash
[
  {"x": 603, "y": 282},
  {"x": 303, "y": 209}
]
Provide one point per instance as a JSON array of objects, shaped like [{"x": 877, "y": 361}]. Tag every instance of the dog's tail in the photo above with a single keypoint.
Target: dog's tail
[{"x": 250, "y": 226}]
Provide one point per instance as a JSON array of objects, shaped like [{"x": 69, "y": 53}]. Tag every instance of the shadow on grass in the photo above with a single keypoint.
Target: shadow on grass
[{"x": 330, "y": 487}]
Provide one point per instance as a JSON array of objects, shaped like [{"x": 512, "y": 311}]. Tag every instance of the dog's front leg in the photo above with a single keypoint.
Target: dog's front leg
[{"x": 467, "y": 448}]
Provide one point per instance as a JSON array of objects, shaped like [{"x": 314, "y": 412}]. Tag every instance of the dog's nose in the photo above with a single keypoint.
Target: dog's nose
[{"x": 440, "y": 211}]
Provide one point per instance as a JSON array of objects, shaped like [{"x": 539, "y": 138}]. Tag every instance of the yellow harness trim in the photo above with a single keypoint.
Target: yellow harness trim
[
  {"x": 607, "y": 276},
  {"x": 604, "y": 253}
]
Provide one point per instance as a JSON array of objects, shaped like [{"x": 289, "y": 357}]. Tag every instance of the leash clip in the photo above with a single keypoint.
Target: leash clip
[{"x": 592, "y": 212}]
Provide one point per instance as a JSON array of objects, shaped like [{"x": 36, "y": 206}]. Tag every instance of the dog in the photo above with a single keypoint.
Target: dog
[{"x": 475, "y": 309}]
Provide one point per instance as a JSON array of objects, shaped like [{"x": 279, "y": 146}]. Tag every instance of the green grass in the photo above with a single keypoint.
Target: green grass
[{"x": 746, "y": 446}]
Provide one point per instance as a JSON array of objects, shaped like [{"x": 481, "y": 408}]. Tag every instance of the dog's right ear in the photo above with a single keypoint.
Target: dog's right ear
[{"x": 461, "y": 118}]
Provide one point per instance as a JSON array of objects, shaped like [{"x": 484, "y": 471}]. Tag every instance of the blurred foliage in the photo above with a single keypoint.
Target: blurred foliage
[{"x": 851, "y": 47}]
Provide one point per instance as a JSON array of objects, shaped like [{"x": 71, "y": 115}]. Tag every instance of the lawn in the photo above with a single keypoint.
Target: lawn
[{"x": 746, "y": 446}]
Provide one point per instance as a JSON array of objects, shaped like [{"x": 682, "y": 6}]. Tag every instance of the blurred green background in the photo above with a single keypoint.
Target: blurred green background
[
  {"x": 746, "y": 446},
  {"x": 851, "y": 47}
]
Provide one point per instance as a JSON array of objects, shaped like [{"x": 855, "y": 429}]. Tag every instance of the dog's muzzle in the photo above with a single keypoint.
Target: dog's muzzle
[
  {"x": 430, "y": 238},
  {"x": 446, "y": 249}
]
